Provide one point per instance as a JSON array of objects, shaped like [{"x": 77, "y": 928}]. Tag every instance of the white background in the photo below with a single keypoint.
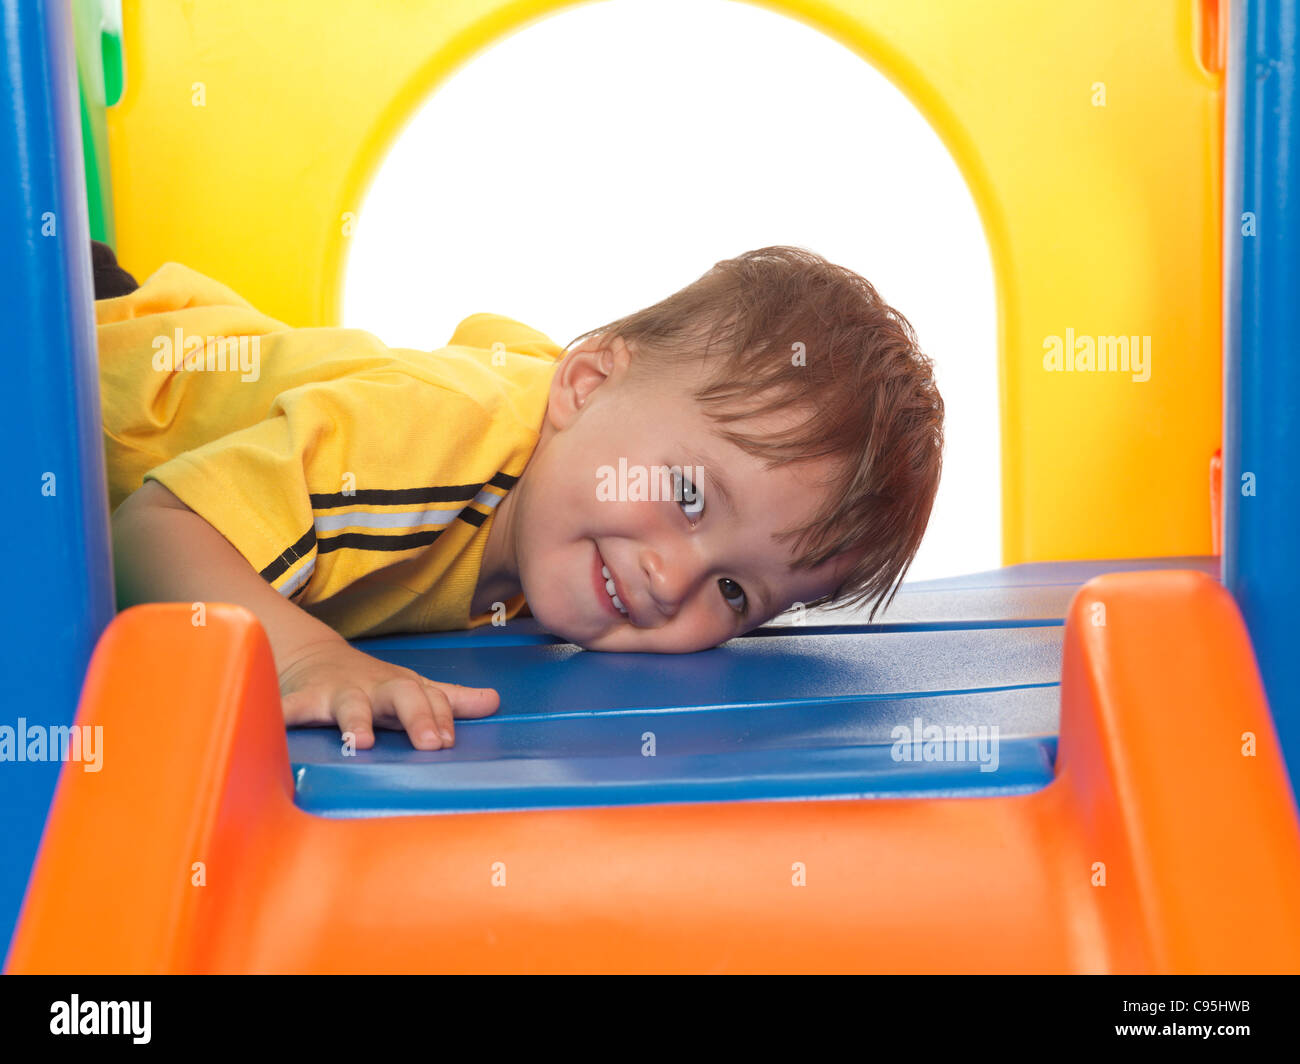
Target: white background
[{"x": 600, "y": 159}]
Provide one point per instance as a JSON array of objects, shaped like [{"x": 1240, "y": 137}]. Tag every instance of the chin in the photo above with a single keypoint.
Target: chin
[{"x": 556, "y": 624}]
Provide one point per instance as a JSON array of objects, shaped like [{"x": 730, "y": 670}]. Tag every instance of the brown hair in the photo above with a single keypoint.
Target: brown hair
[{"x": 869, "y": 392}]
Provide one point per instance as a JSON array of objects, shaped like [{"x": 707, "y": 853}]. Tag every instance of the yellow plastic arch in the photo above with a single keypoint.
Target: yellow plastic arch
[{"x": 1087, "y": 129}]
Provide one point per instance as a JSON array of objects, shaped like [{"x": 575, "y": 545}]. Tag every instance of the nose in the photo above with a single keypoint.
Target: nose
[{"x": 670, "y": 579}]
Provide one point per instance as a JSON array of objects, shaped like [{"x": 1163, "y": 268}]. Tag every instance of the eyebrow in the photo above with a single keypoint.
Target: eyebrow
[{"x": 721, "y": 484}]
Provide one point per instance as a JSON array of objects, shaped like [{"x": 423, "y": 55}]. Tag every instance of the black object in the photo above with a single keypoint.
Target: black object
[{"x": 110, "y": 279}]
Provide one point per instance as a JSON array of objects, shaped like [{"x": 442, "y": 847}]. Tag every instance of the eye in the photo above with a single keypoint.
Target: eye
[
  {"x": 687, "y": 495},
  {"x": 734, "y": 595}
]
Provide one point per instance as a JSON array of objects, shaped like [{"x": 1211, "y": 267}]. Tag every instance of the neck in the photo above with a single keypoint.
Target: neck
[{"x": 498, "y": 577}]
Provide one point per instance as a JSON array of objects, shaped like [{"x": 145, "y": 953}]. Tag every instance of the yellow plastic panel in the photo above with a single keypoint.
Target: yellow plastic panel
[{"x": 249, "y": 132}]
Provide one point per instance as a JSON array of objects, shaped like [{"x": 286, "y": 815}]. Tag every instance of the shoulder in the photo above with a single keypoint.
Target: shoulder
[{"x": 488, "y": 330}]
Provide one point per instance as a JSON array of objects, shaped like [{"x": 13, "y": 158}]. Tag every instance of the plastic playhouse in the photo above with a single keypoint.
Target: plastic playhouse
[{"x": 1137, "y": 815}]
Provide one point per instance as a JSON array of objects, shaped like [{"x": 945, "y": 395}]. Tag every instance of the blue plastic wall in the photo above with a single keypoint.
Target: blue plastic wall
[
  {"x": 1261, "y": 431},
  {"x": 58, "y": 594}
]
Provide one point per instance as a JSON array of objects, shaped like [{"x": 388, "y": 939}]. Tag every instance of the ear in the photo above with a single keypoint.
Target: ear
[{"x": 591, "y": 365}]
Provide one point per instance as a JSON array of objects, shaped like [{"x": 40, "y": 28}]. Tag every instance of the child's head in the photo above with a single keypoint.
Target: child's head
[{"x": 803, "y": 431}]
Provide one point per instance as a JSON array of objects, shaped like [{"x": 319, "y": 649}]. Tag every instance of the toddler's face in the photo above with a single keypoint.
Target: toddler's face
[{"x": 690, "y": 567}]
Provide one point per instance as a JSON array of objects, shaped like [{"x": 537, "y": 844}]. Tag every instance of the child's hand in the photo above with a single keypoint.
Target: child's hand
[{"x": 331, "y": 681}]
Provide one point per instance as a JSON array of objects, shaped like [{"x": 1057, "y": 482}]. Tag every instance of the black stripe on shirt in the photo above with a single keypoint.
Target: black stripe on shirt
[
  {"x": 475, "y": 517},
  {"x": 290, "y": 556},
  {"x": 342, "y": 541},
  {"x": 407, "y": 496},
  {"x": 382, "y": 497},
  {"x": 366, "y": 541},
  {"x": 395, "y": 496}
]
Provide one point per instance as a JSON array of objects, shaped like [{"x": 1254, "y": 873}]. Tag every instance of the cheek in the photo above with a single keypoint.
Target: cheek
[
  {"x": 570, "y": 493},
  {"x": 697, "y": 627},
  {"x": 559, "y": 504}
]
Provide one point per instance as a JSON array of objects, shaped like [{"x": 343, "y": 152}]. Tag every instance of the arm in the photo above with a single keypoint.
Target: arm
[{"x": 164, "y": 552}]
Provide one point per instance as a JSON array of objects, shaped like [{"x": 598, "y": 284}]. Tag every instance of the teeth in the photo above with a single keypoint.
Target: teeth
[{"x": 609, "y": 587}]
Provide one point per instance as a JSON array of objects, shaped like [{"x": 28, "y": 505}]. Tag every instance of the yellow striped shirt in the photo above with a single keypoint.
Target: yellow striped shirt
[{"x": 360, "y": 480}]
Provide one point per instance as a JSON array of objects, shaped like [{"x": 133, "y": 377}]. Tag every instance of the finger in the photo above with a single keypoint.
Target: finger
[
  {"x": 304, "y": 707},
  {"x": 469, "y": 702},
  {"x": 351, "y": 708},
  {"x": 441, "y": 710},
  {"x": 408, "y": 700}
]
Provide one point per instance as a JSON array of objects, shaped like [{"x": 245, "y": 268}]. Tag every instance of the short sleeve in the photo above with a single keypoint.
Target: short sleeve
[
  {"x": 341, "y": 479},
  {"x": 251, "y": 486}
]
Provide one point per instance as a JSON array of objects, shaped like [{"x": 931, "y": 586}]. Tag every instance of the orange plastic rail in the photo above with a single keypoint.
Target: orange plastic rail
[{"x": 1168, "y": 841}]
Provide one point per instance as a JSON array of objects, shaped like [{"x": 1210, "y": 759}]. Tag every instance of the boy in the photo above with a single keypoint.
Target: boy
[{"x": 769, "y": 435}]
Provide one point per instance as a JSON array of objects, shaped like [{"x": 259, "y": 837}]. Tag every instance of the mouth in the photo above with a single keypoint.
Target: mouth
[{"x": 606, "y": 591}]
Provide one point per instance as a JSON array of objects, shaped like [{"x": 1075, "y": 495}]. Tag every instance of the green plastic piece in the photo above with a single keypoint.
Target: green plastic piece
[{"x": 97, "y": 36}]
